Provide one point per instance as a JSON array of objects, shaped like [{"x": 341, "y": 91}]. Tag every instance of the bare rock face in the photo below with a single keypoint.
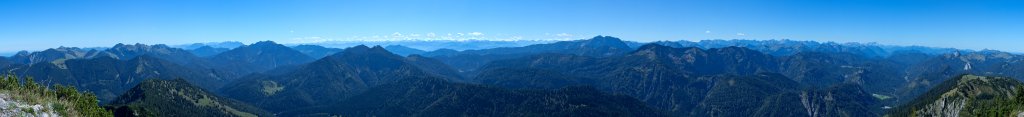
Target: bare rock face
[
  {"x": 944, "y": 108},
  {"x": 9, "y": 107},
  {"x": 968, "y": 95}
]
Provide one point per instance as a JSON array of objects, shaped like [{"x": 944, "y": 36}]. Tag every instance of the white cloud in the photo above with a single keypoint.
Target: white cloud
[
  {"x": 707, "y": 31},
  {"x": 309, "y": 39},
  {"x": 432, "y": 34},
  {"x": 740, "y": 34},
  {"x": 563, "y": 35},
  {"x": 396, "y": 34},
  {"x": 476, "y": 33}
]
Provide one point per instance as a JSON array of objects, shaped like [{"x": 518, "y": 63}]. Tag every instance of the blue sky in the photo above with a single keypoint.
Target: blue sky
[{"x": 976, "y": 24}]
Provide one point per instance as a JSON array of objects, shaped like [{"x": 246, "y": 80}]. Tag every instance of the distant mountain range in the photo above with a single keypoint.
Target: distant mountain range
[
  {"x": 436, "y": 44},
  {"x": 338, "y": 76},
  {"x": 687, "y": 81},
  {"x": 226, "y": 44},
  {"x": 600, "y": 76},
  {"x": 469, "y": 60},
  {"x": 108, "y": 77},
  {"x": 259, "y": 57},
  {"x": 207, "y": 51},
  {"x": 790, "y": 47},
  {"x": 316, "y": 51}
]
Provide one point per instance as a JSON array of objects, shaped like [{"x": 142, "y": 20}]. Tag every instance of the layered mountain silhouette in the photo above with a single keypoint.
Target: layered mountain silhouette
[
  {"x": 207, "y": 51},
  {"x": 178, "y": 98},
  {"x": 434, "y": 44},
  {"x": 438, "y": 97},
  {"x": 470, "y": 60},
  {"x": 790, "y": 47},
  {"x": 53, "y": 54},
  {"x": 119, "y": 51},
  {"x": 928, "y": 73},
  {"x": 650, "y": 59},
  {"x": 338, "y": 76},
  {"x": 176, "y": 55},
  {"x": 316, "y": 51},
  {"x": 4, "y": 63},
  {"x": 110, "y": 72},
  {"x": 259, "y": 57},
  {"x": 684, "y": 81},
  {"x": 402, "y": 50},
  {"x": 109, "y": 77},
  {"x": 225, "y": 44},
  {"x": 598, "y": 46}
]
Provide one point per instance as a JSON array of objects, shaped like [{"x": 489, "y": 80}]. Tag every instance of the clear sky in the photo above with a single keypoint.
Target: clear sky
[{"x": 969, "y": 24}]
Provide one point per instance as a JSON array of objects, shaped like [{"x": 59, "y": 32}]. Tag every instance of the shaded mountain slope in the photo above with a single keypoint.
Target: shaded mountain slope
[
  {"x": 599, "y": 46},
  {"x": 109, "y": 77},
  {"x": 119, "y": 51},
  {"x": 332, "y": 78},
  {"x": 684, "y": 81},
  {"x": 52, "y": 54},
  {"x": 316, "y": 51},
  {"x": 4, "y": 63},
  {"x": 178, "y": 98},
  {"x": 825, "y": 69},
  {"x": 259, "y": 57},
  {"x": 470, "y": 60},
  {"x": 176, "y": 55},
  {"x": 437, "y": 97},
  {"x": 207, "y": 51},
  {"x": 925, "y": 75},
  {"x": 402, "y": 50},
  {"x": 435, "y": 67}
]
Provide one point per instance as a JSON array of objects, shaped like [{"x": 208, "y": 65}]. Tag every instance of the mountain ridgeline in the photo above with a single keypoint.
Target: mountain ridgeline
[
  {"x": 178, "y": 98},
  {"x": 600, "y": 76},
  {"x": 259, "y": 57},
  {"x": 969, "y": 95},
  {"x": 437, "y": 97},
  {"x": 469, "y": 60},
  {"x": 108, "y": 77},
  {"x": 338, "y": 76}
]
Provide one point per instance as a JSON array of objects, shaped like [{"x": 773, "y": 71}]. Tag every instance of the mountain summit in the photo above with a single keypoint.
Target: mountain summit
[
  {"x": 260, "y": 56},
  {"x": 321, "y": 82},
  {"x": 178, "y": 98}
]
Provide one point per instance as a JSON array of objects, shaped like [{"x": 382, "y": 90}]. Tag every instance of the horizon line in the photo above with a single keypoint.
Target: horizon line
[{"x": 9, "y": 53}]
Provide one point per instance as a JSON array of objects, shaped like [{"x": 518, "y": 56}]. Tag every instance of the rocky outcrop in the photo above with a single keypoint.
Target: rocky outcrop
[
  {"x": 968, "y": 95},
  {"x": 9, "y": 107}
]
